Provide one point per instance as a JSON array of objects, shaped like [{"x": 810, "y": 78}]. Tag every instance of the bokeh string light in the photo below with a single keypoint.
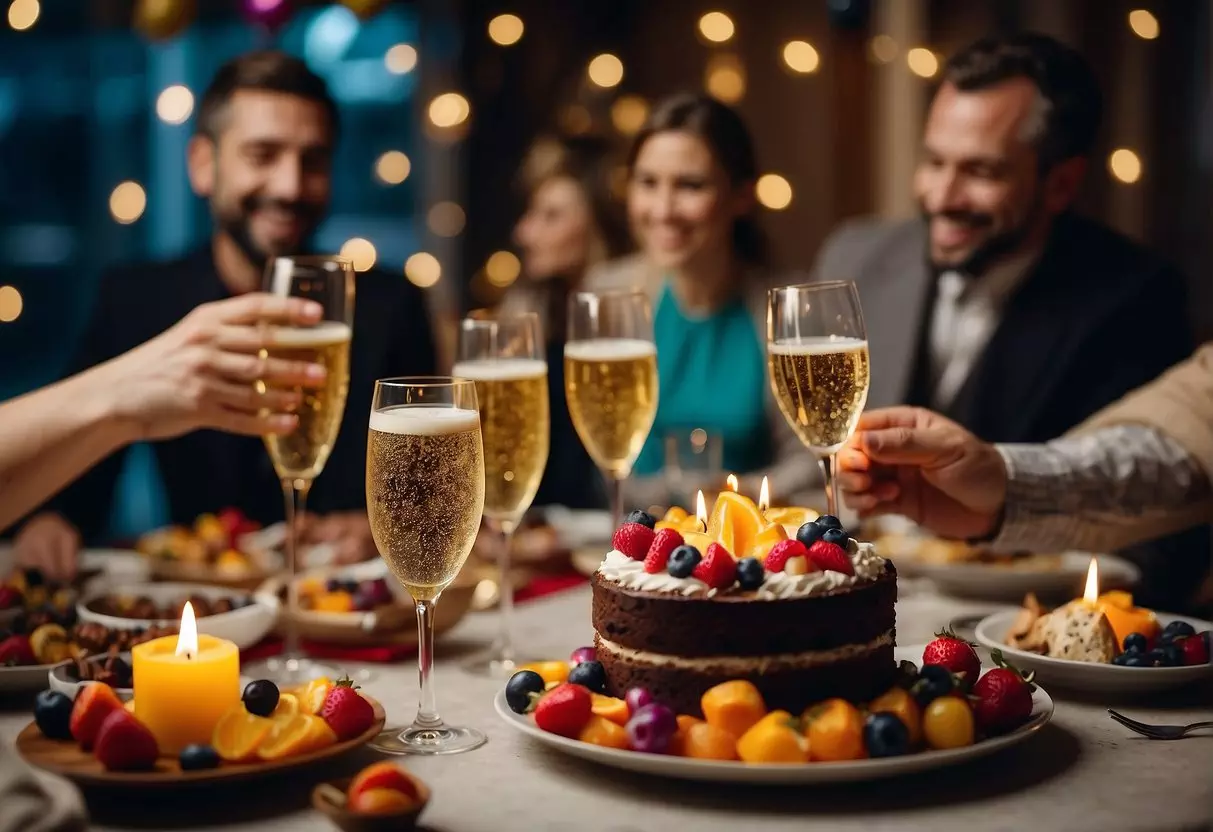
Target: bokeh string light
[
  {"x": 773, "y": 191},
  {"x": 1125, "y": 165},
  {"x": 360, "y": 252},
  {"x": 23, "y": 14},
  {"x": 506, "y": 29},
  {"x": 423, "y": 269},
  {"x": 127, "y": 202},
  {"x": 716, "y": 27},
  {"x": 605, "y": 70},
  {"x": 400, "y": 59},
  {"x": 801, "y": 57}
]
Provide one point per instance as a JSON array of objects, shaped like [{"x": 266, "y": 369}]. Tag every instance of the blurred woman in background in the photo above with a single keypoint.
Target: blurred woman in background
[
  {"x": 571, "y": 224},
  {"x": 703, "y": 260}
]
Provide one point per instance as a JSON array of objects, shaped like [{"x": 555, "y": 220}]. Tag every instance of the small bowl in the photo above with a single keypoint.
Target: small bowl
[
  {"x": 58, "y": 678},
  {"x": 325, "y": 799}
]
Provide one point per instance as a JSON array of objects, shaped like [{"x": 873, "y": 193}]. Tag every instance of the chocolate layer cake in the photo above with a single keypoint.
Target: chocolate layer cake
[{"x": 799, "y": 639}]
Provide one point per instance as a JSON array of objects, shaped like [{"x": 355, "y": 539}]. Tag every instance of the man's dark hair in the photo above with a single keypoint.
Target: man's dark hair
[
  {"x": 266, "y": 70},
  {"x": 1073, "y": 103}
]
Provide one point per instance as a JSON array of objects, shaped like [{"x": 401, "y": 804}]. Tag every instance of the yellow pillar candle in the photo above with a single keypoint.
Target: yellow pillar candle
[{"x": 184, "y": 684}]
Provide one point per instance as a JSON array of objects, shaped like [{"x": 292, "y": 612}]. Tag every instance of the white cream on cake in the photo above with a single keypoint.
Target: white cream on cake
[{"x": 744, "y": 665}]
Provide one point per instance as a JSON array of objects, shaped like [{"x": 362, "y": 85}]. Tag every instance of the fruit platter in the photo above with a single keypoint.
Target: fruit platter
[
  {"x": 207, "y": 551},
  {"x": 940, "y": 712}
]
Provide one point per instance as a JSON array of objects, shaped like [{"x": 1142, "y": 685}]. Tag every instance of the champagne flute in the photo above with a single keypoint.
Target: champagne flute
[
  {"x": 817, "y": 355},
  {"x": 505, "y": 358},
  {"x": 425, "y": 498},
  {"x": 300, "y": 455},
  {"x": 610, "y": 380}
]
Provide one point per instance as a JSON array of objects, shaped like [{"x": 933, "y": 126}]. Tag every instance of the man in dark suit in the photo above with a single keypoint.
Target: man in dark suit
[
  {"x": 1000, "y": 307},
  {"x": 261, "y": 156}
]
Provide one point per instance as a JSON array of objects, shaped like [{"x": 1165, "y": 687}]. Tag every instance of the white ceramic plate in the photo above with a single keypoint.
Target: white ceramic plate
[
  {"x": 1107, "y": 679},
  {"x": 57, "y": 679},
  {"x": 769, "y": 773},
  {"x": 245, "y": 626},
  {"x": 21, "y": 679},
  {"x": 1012, "y": 583}
]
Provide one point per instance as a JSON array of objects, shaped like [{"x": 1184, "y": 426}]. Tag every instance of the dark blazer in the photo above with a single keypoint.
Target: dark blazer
[{"x": 207, "y": 470}]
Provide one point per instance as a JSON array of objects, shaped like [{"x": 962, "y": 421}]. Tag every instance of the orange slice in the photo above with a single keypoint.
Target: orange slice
[
  {"x": 311, "y": 697},
  {"x": 699, "y": 540},
  {"x": 238, "y": 734},
  {"x": 735, "y": 521},
  {"x": 297, "y": 735},
  {"x": 765, "y": 540},
  {"x": 288, "y": 706},
  {"x": 794, "y": 516},
  {"x": 675, "y": 514}
]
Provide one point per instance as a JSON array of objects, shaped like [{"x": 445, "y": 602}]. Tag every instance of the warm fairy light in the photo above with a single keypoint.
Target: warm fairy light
[
  {"x": 22, "y": 14},
  {"x": 577, "y": 120},
  {"x": 731, "y": 481},
  {"x": 446, "y": 219},
  {"x": 360, "y": 252},
  {"x": 800, "y": 56},
  {"x": 423, "y": 269},
  {"x": 773, "y": 191},
  {"x": 449, "y": 109},
  {"x": 187, "y": 634},
  {"x": 393, "y": 167},
  {"x": 701, "y": 512},
  {"x": 922, "y": 62},
  {"x": 628, "y": 113},
  {"x": 883, "y": 49},
  {"x": 716, "y": 26},
  {"x": 606, "y": 70},
  {"x": 1125, "y": 165},
  {"x": 1091, "y": 594},
  {"x": 127, "y": 202},
  {"x": 505, "y": 29},
  {"x": 11, "y": 304},
  {"x": 502, "y": 268},
  {"x": 764, "y": 496},
  {"x": 725, "y": 78},
  {"x": 1144, "y": 24},
  {"x": 400, "y": 59},
  {"x": 174, "y": 104}
]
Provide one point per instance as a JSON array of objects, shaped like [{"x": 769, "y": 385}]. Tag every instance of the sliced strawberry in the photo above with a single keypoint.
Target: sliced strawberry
[
  {"x": 633, "y": 540},
  {"x": 564, "y": 710},
  {"x": 830, "y": 557},
  {"x": 664, "y": 542},
  {"x": 717, "y": 569},
  {"x": 1194, "y": 650},
  {"x": 781, "y": 552}
]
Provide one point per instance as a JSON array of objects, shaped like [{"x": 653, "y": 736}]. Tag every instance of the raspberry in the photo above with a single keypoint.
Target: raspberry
[{"x": 633, "y": 540}]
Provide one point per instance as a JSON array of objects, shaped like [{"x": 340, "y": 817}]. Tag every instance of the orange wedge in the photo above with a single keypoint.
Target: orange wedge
[
  {"x": 312, "y": 695},
  {"x": 609, "y": 707},
  {"x": 238, "y": 734},
  {"x": 699, "y": 540},
  {"x": 735, "y": 521},
  {"x": 288, "y": 706},
  {"x": 674, "y": 514},
  {"x": 765, "y": 540},
  {"x": 793, "y": 516},
  {"x": 297, "y": 735}
]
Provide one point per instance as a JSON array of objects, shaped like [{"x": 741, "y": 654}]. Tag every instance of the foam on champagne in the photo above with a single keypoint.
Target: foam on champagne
[
  {"x": 501, "y": 369},
  {"x": 424, "y": 420},
  {"x": 816, "y": 346},
  {"x": 609, "y": 349},
  {"x": 322, "y": 334}
]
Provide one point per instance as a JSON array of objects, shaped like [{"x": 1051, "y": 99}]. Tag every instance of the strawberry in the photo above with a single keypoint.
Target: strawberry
[
  {"x": 1194, "y": 650},
  {"x": 125, "y": 744},
  {"x": 16, "y": 652},
  {"x": 717, "y": 569},
  {"x": 955, "y": 654},
  {"x": 346, "y": 711},
  {"x": 564, "y": 710},
  {"x": 664, "y": 542},
  {"x": 9, "y": 597},
  {"x": 781, "y": 552},
  {"x": 830, "y": 557},
  {"x": 94, "y": 703},
  {"x": 1002, "y": 699},
  {"x": 633, "y": 540}
]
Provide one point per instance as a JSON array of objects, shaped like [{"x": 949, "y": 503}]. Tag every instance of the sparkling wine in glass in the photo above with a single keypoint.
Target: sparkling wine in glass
[
  {"x": 817, "y": 355},
  {"x": 425, "y": 498},
  {"x": 505, "y": 358},
  {"x": 610, "y": 380}
]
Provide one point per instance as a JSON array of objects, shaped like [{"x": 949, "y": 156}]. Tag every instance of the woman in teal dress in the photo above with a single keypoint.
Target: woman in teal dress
[{"x": 702, "y": 259}]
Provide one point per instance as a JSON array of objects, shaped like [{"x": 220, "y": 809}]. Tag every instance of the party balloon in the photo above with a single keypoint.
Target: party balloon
[
  {"x": 365, "y": 8},
  {"x": 268, "y": 13},
  {"x": 161, "y": 19}
]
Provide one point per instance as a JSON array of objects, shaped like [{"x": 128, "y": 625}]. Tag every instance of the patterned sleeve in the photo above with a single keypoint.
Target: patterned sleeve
[{"x": 1097, "y": 490}]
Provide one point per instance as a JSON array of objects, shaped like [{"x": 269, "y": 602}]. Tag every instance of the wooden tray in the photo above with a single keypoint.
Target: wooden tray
[{"x": 64, "y": 757}]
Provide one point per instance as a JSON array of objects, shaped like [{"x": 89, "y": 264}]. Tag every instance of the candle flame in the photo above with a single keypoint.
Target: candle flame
[
  {"x": 764, "y": 496},
  {"x": 701, "y": 511},
  {"x": 1091, "y": 593},
  {"x": 731, "y": 479},
  {"x": 187, "y": 634}
]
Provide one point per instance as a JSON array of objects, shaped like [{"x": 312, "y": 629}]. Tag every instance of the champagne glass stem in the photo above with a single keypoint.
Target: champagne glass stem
[
  {"x": 427, "y": 708},
  {"x": 615, "y": 486},
  {"x": 505, "y": 586},
  {"x": 829, "y": 464},
  {"x": 295, "y": 491}
]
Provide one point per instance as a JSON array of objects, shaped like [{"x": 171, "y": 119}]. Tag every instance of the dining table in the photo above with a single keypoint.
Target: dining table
[{"x": 1082, "y": 771}]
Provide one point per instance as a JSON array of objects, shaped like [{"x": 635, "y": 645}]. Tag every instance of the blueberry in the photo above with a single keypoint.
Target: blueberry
[
  {"x": 1135, "y": 643},
  {"x": 260, "y": 697},
  {"x": 829, "y": 521},
  {"x": 332, "y": 585},
  {"x": 194, "y": 757},
  {"x": 1179, "y": 628},
  {"x": 53, "y": 713},
  {"x": 1173, "y": 656},
  {"x": 836, "y": 536},
  {"x": 1136, "y": 660},
  {"x": 519, "y": 688},
  {"x": 1155, "y": 658},
  {"x": 1120, "y": 658},
  {"x": 933, "y": 682},
  {"x": 589, "y": 675},
  {"x": 34, "y": 577},
  {"x": 683, "y": 561},
  {"x": 641, "y": 517},
  {"x": 350, "y": 586},
  {"x": 809, "y": 533},
  {"x": 885, "y": 735},
  {"x": 750, "y": 573}
]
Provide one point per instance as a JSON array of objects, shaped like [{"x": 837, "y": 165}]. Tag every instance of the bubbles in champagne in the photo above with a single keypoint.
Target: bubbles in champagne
[
  {"x": 611, "y": 388},
  {"x": 821, "y": 385}
]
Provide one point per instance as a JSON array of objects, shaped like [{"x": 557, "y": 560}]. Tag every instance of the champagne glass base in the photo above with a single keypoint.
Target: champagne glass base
[
  {"x": 493, "y": 665},
  {"x": 428, "y": 741},
  {"x": 289, "y": 671}
]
